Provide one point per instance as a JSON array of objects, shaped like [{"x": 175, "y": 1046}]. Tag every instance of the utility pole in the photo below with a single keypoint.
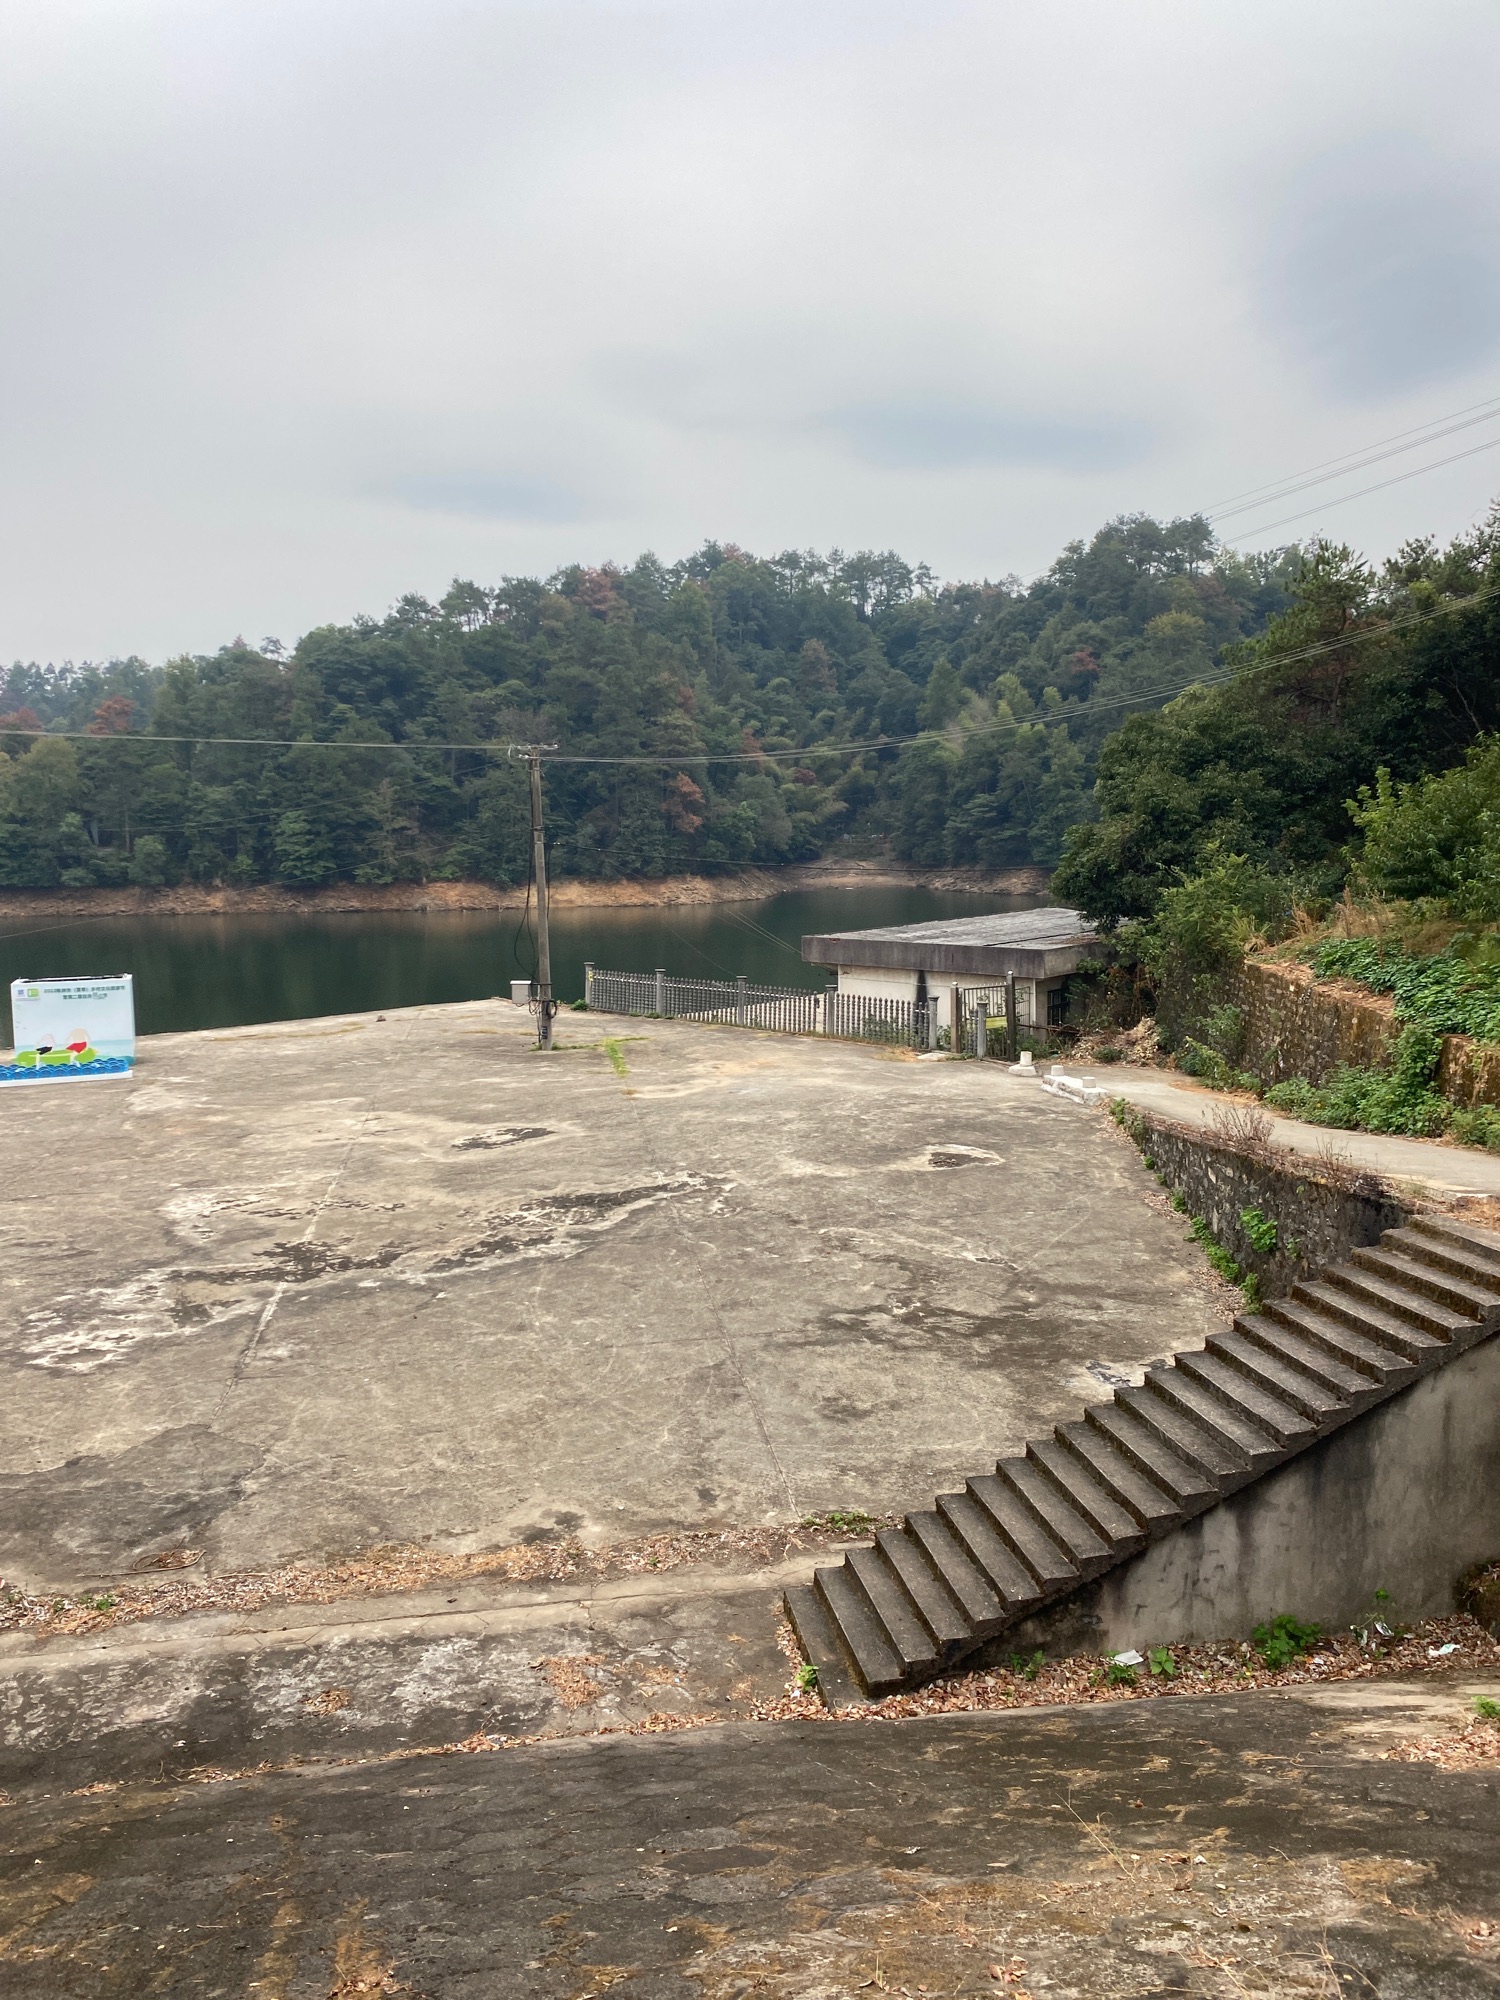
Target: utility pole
[{"x": 546, "y": 1006}]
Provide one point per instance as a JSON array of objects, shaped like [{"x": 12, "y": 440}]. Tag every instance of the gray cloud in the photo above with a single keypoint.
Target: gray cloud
[
  {"x": 1387, "y": 271},
  {"x": 308, "y": 303},
  {"x": 936, "y": 437},
  {"x": 491, "y": 498}
]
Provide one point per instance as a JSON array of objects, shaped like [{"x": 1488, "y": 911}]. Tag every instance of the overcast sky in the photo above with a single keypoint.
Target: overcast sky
[{"x": 308, "y": 303}]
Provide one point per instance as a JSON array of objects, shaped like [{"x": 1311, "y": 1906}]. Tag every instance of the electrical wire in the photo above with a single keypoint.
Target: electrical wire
[
  {"x": 1356, "y": 461},
  {"x": 1082, "y": 713},
  {"x": 1264, "y": 527},
  {"x": 72, "y": 924},
  {"x": 759, "y": 930}
]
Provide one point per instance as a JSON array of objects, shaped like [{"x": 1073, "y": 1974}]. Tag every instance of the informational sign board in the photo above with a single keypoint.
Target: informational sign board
[{"x": 71, "y": 1030}]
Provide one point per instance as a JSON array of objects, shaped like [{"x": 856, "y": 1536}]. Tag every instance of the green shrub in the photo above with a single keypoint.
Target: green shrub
[
  {"x": 1284, "y": 1640},
  {"x": 1398, "y": 1099},
  {"x": 1215, "y": 1252},
  {"x": 1260, "y": 1228},
  {"x": 1454, "y": 992},
  {"x": 1439, "y": 836},
  {"x": 1477, "y": 1126}
]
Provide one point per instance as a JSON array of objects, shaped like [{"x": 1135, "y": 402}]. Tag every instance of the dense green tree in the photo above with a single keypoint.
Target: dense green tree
[
  {"x": 362, "y": 754},
  {"x": 1365, "y": 670}
]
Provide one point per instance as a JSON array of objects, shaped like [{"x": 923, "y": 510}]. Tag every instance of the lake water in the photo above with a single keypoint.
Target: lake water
[{"x": 222, "y": 972}]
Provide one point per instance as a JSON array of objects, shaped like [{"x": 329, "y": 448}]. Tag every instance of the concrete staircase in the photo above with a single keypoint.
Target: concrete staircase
[{"x": 1201, "y": 1426}]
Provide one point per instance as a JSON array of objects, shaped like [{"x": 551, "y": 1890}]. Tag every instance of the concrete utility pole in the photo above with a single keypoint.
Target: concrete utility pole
[{"x": 546, "y": 1006}]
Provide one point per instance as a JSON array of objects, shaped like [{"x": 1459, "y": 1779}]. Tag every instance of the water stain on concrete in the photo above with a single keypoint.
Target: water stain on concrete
[{"x": 98, "y": 1514}]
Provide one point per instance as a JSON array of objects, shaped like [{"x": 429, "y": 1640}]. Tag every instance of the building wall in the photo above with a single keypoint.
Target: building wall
[{"x": 874, "y": 982}]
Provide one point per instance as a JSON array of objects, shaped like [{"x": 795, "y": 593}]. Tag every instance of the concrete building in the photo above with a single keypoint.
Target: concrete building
[{"x": 924, "y": 962}]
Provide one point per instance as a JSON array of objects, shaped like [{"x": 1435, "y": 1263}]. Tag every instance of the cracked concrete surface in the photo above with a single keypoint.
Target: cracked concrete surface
[
  {"x": 232, "y": 1689},
  {"x": 303, "y": 1290},
  {"x": 1216, "y": 1847}
]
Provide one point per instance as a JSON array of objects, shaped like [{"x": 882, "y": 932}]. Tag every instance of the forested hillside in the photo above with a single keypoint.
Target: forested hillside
[
  {"x": 774, "y": 661},
  {"x": 1272, "y": 781}
]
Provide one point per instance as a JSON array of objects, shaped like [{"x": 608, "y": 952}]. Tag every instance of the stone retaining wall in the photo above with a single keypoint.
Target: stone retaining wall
[
  {"x": 1296, "y": 1025},
  {"x": 1320, "y": 1216}
]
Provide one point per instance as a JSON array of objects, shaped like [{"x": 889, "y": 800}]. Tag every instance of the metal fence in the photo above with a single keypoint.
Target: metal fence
[{"x": 790, "y": 1010}]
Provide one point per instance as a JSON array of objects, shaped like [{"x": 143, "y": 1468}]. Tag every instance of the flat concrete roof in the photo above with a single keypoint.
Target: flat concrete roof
[
  {"x": 1032, "y": 944},
  {"x": 306, "y": 1289}
]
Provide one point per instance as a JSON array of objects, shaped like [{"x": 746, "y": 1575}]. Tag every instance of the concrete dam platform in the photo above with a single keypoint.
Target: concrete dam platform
[{"x": 295, "y": 1291}]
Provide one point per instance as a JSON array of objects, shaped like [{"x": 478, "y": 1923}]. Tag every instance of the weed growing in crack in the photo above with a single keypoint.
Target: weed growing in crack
[{"x": 842, "y": 1520}]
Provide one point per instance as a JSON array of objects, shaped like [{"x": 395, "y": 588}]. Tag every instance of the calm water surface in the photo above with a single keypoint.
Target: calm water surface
[{"x": 221, "y": 972}]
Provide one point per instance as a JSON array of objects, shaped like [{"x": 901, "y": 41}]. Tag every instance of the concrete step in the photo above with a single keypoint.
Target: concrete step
[
  {"x": 1471, "y": 1301},
  {"x": 1253, "y": 1450},
  {"x": 1199, "y": 1428},
  {"x": 1022, "y": 1533},
  {"x": 1147, "y": 1449},
  {"x": 1483, "y": 1244},
  {"x": 1464, "y": 1260},
  {"x": 1339, "y": 1339},
  {"x": 951, "y": 1562},
  {"x": 1078, "y": 1489},
  {"x": 864, "y": 1641},
  {"x": 896, "y": 1614},
  {"x": 1359, "y": 1310},
  {"x": 1286, "y": 1426},
  {"x": 935, "y": 1604},
  {"x": 1087, "y": 1550},
  {"x": 1002, "y": 1570},
  {"x": 1208, "y": 1450},
  {"x": 1148, "y": 1504},
  {"x": 818, "y": 1636},
  {"x": 1394, "y": 1300},
  {"x": 1290, "y": 1380}
]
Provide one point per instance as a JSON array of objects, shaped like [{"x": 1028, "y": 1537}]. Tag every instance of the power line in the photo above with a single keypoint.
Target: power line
[
  {"x": 1355, "y": 461},
  {"x": 1264, "y": 527}
]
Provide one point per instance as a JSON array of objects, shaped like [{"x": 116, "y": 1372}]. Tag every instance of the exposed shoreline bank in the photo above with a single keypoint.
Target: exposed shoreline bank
[{"x": 747, "y": 885}]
